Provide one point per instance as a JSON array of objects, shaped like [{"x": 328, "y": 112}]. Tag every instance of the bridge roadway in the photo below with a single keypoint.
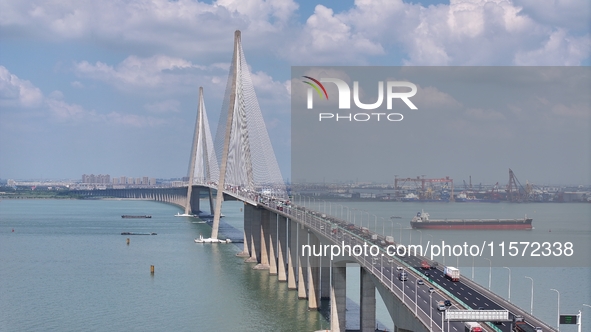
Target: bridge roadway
[{"x": 463, "y": 294}]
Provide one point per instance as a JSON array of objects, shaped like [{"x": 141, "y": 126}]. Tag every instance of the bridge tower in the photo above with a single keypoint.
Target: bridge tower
[
  {"x": 203, "y": 166},
  {"x": 248, "y": 164}
]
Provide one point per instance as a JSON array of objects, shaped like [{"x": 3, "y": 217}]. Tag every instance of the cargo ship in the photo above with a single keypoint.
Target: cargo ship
[{"x": 422, "y": 221}]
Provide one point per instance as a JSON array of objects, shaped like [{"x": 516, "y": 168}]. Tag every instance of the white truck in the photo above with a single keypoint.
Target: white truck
[
  {"x": 452, "y": 273},
  {"x": 389, "y": 240},
  {"x": 441, "y": 306},
  {"x": 472, "y": 327}
]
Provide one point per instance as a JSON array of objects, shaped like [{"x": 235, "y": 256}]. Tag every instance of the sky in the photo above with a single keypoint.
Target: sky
[{"x": 110, "y": 87}]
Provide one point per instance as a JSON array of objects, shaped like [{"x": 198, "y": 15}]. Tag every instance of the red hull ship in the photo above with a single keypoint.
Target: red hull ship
[{"x": 421, "y": 221}]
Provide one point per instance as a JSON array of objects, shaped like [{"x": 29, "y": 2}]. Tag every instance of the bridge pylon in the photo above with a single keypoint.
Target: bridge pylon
[
  {"x": 248, "y": 164},
  {"x": 203, "y": 166}
]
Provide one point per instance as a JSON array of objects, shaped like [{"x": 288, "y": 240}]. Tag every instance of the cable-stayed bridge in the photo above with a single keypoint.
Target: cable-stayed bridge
[{"x": 241, "y": 165}]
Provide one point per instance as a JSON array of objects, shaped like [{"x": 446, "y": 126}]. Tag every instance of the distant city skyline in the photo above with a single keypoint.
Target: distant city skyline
[{"x": 110, "y": 89}]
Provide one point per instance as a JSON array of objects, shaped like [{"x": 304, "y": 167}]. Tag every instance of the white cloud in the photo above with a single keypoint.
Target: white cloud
[
  {"x": 65, "y": 112},
  {"x": 569, "y": 14},
  {"x": 273, "y": 96},
  {"x": 182, "y": 27},
  {"x": 559, "y": 48},
  {"x": 330, "y": 38},
  {"x": 155, "y": 72},
  {"x": 465, "y": 32},
  {"x": 16, "y": 92}
]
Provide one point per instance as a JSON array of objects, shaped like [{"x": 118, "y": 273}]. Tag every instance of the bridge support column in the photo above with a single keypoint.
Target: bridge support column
[
  {"x": 368, "y": 302},
  {"x": 325, "y": 277},
  {"x": 281, "y": 250},
  {"x": 264, "y": 236},
  {"x": 273, "y": 225},
  {"x": 194, "y": 201},
  {"x": 338, "y": 298},
  {"x": 254, "y": 216},
  {"x": 313, "y": 273},
  {"x": 292, "y": 254},
  {"x": 247, "y": 232},
  {"x": 211, "y": 210},
  {"x": 302, "y": 263}
]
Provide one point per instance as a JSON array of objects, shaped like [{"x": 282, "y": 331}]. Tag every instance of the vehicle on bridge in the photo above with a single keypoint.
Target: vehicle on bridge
[
  {"x": 520, "y": 325},
  {"x": 389, "y": 239},
  {"x": 402, "y": 276},
  {"x": 452, "y": 273},
  {"x": 472, "y": 327},
  {"x": 425, "y": 265},
  {"x": 441, "y": 306}
]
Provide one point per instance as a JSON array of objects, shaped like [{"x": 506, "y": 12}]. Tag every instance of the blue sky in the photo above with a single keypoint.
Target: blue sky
[{"x": 111, "y": 87}]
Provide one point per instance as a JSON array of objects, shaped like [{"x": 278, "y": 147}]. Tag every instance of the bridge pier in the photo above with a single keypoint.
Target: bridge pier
[
  {"x": 338, "y": 297},
  {"x": 246, "y": 231},
  {"x": 324, "y": 277},
  {"x": 302, "y": 262},
  {"x": 281, "y": 247},
  {"x": 264, "y": 236},
  {"x": 253, "y": 216},
  {"x": 292, "y": 254},
  {"x": 194, "y": 201},
  {"x": 403, "y": 318},
  {"x": 367, "y": 302},
  {"x": 273, "y": 225},
  {"x": 313, "y": 273}
]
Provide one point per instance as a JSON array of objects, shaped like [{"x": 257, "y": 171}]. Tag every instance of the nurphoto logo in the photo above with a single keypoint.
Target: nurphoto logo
[{"x": 344, "y": 99}]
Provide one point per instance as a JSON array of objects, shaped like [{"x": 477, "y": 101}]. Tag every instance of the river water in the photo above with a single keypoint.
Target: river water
[{"x": 65, "y": 267}]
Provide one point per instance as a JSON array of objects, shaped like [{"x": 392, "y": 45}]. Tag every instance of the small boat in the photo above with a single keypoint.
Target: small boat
[
  {"x": 132, "y": 233},
  {"x": 135, "y": 216},
  {"x": 210, "y": 240},
  {"x": 184, "y": 215},
  {"x": 411, "y": 197}
]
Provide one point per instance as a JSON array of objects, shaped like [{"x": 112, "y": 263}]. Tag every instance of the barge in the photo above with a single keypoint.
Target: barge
[{"x": 422, "y": 221}]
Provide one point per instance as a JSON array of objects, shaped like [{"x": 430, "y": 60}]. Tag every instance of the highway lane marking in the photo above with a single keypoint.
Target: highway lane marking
[
  {"x": 469, "y": 293},
  {"x": 454, "y": 328},
  {"x": 477, "y": 298},
  {"x": 462, "y": 288},
  {"x": 466, "y": 298}
]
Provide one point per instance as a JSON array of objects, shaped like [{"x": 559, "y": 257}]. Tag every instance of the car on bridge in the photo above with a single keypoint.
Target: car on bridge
[
  {"x": 447, "y": 303},
  {"x": 431, "y": 289},
  {"x": 420, "y": 282}
]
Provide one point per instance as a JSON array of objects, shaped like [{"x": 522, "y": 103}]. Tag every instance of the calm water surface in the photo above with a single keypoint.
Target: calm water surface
[{"x": 67, "y": 268}]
